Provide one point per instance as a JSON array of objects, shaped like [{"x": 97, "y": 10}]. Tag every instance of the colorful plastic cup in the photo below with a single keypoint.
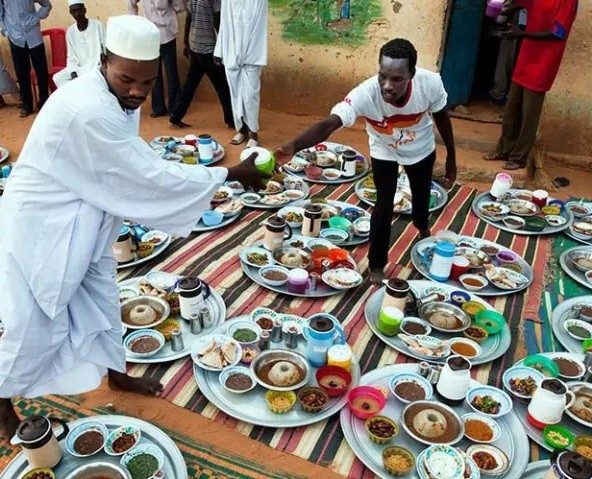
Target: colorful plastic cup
[{"x": 389, "y": 320}]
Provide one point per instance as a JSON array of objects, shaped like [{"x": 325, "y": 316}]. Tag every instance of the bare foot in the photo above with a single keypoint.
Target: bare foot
[
  {"x": 179, "y": 124},
  {"x": 145, "y": 386},
  {"x": 495, "y": 157},
  {"x": 377, "y": 276},
  {"x": 9, "y": 420}
]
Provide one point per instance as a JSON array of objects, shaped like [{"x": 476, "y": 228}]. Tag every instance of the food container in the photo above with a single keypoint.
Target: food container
[
  {"x": 504, "y": 257},
  {"x": 266, "y": 270},
  {"x": 144, "y": 449},
  {"x": 365, "y": 401},
  {"x": 39, "y": 442},
  {"x": 469, "y": 344},
  {"x": 397, "y": 451},
  {"x": 273, "y": 355},
  {"x": 498, "y": 395},
  {"x": 472, "y": 308},
  {"x": 535, "y": 224},
  {"x": 514, "y": 222},
  {"x": 395, "y": 294},
  {"x": 495, "y": 429},
  {"x": 313, "y": 173},
  {"x": 583, "y": 445},
  {"x": 569, "y": 465},
  {"x": 140, "y": 334},
  {"x": 333, "y": 380},
  {"x": 473, "y": 282},
  {"x": 144, "y": 249},
  {"x": 476, "y": 333},
  {"x": 33, "y": 474},
  {"x": 239, "y": 327},
  {"x": 102, "y": 469},
  {"x": 389, "y": 321},
  {"x": 130, "y": 433},
  {"x": 212, "y": 218},
  {"x": 340, "y": 223},
  {"x": 492, "y": 321},
  {"x": 551, "y": 440},
  {"x": 312, "y": 392},
  {"x": 542, "y": 364},
  {"x": 287, "y": 398},
  {"x": 384, "y": 437},
  {"x": 422, "y": 382},
  {"x": 340, "y": 355}
]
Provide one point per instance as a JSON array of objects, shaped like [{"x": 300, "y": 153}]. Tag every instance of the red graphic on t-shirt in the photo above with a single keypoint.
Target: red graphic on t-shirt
[
  {"x": 388, "y": 125},
  {"x": 404, "y": 137}
]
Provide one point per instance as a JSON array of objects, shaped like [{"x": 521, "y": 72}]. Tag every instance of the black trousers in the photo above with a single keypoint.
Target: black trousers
[
  {"x": 22, "y": 57},
  {"x": 199, "y": 65},
  {"x": 168, "y": 59},
  {"x": 386, "y": 175}
]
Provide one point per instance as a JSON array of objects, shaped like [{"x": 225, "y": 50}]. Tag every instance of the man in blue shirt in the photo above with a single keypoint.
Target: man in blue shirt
[{"x": 20, "y": 22}]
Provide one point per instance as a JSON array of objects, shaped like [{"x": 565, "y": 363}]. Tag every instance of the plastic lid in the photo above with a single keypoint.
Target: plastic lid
[
  {"x": 298, "y": 274},
  {"x": 189, "y": 284},
  {"x": 574, "y": 466},
  {"x": 124, "y": 230},
  {"x": 33, "y": 428},
  {"x": 399, "y": 285}
]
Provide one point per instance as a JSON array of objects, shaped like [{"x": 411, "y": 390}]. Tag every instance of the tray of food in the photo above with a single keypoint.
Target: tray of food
[
  {"x": 577, "y": 263},
  {"x": 366, "y": 192},
  {"x": 572, "y": 323},
  {"x": 426, "y": 438},
  {"x": 150, "y": 315},
  {"x": 146, "y": 244},
  {"x": 118, "y": 447},
  {"x": 275, "y": 386},
  {"x": 281, "y": 190},
  {"x": 581, "y": 228},
  {"x": 455, "y": 322},
  {"x": 488, "y": 268},
  {"x": 302, "y": 268},
  {"x": 184, "y": 150},
  {"x": 225, "y": 209},
  {"x": 343, "y": 224},
  {"x": 518, "y": 213},
  {"x": 324, "y": 164}
]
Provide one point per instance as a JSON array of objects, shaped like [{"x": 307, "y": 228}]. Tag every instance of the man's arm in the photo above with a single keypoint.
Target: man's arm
[
  {"x": 43, "y": 12},
  {"x": 132, "y": 7},
  {"x": 444, "y": 125},
  {"x": 315, "y": 134},
  {"x": 515, "y": 32}
]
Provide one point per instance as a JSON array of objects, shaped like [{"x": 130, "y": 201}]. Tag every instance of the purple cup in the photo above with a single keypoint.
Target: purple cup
[{"x": 505, "y": 257}]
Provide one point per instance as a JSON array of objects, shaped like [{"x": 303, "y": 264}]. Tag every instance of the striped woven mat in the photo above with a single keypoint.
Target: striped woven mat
[
  {"x": 203, "y": 461},
  {"x": 214, "y": 257}
]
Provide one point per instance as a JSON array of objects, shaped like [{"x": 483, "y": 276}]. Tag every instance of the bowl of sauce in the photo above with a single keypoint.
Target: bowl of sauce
[{"x": 237, "y": 380}]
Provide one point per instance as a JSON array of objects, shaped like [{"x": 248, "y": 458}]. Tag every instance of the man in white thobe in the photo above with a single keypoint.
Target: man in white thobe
[
  {"x": 85, "y": 40},
  {"x": 242, "y": 48},
  {"x": 82, "y": 170}
]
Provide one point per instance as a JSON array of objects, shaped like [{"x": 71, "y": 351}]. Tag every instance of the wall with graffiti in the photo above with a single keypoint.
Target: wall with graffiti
[{"x": 326, "y": 21}]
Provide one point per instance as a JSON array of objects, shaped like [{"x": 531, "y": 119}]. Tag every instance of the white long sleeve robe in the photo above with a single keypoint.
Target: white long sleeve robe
[
  {"x": 82, "y": 170},
  {"x": 84, "y": 51}
]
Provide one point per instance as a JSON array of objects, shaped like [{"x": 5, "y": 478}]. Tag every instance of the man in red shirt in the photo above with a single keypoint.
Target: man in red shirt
[{"x": 543, "y": 45}]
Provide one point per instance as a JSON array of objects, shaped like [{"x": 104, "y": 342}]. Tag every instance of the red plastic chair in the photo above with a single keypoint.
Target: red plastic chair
[{"x": 59, "y": 55}]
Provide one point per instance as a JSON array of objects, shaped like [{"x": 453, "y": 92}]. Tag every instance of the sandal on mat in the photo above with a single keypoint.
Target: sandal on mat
[{"x": 238, "y": 139}]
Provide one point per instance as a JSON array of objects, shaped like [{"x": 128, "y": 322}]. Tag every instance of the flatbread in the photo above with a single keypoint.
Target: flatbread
[
  {"x": 213, "y": 359},
  {"x": 229, "y": 351},
  {"x": 207, "y": 348}
]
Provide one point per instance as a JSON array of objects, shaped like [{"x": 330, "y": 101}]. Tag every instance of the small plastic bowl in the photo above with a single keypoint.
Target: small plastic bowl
[
  {"x": 472, "y": 308},
  {"x": 313, "y": 172},
  {"x": 162, "y": 280},
  {"x": 120, "y": 431},
  {"x": 470, "y": 287},
  {"x": 331, "y": 174},
  {"x": 397, "y": 451},
  {"x": 504, "y": 257},
  {"x": 587, "y": 345},
  {"x": 365, "y": 401},
  {"x": 140, "y": 333},
  {"x": 82, "y": 429},
  {"x": 491, "y": 321},
  {"x": 149, "y": 449},
  {"x": 459, "y": 297},
  {"x": 32, "y": 473},
  {"x": 583, "y": 441},
  {"x": 551, "y": 210},
  {"x": 560, "y": 204},
  {"x": 411, "y": 320},
  {"x": 245, "y": 324},
  {"x": 340, "y": 223},
  {"x": 470, "y": 333},
  {"x": 362, "y": 226},
  {"x": 542, "y": 364},
  {"x": 379, "y": 439},
  {"x": 212, "y": 218},
  {"x": 333, "y": 371},
  {"x": 312, "y": 390},
  {"x": 551, "y": 442},
  {"x": 270, "y": 396},
  {"x": 535, "y": 224}
]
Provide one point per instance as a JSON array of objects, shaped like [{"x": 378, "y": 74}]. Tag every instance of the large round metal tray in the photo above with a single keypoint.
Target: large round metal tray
[
  {"x": 200, "y": 227},
  {"x": 157, "y": 250},
  {"x": 331, "y": 147},
  {"x": 549, "y": 230},
  {"x": 353, "y": 240},
  {"x": 512, "y": 441},
  {"x": 521, "y": 408},
  {"x": 251, "y": 406},
  {"x": 536, "y": 470},
  {"x": 442, "y": 197},
  {"x": 174, "y": 464},
  {"x": 219, "y": 153},
  {"x": 560, "y": 314},
  {"x": 321, "y": 291},
  {"x": 217, "y": 309},
  {"x": 489, "y": 290},
  {"x": 493, "y": 347},
  {"x": 571, "y": 270},
  {"x": 260, "y": 206}
]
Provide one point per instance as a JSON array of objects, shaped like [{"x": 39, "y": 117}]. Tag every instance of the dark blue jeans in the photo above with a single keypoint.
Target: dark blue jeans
[{"x": 168, "y": 59}]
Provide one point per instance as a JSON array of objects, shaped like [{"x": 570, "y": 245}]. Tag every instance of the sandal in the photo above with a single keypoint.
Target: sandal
[
  {"x": 251, "y": 143},
  {"x": 495, "y": 157},
  {"x": 514, "y": 165},
  {"x": 238, "y": 139}
]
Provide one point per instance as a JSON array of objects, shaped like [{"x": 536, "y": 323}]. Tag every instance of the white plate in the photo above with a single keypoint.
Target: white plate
[
  {"x": 156, "y": 237},
  {"x": 229, "y": 208},
  {"x": 292, "y": 209},
  {"x": 342, "y": 278},
  {"x": 274, "y": 200},
  {"x": 222, "y": 194},
  {"x": 220, "y": 340},
  {"x": 255, "y": 249},
  {"x": 517, "y": 278}
]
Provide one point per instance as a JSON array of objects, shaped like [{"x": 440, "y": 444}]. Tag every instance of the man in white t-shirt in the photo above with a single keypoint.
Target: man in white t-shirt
[
  {"x": 86, "y": 44},
  {"x": 398, "y": 106}
]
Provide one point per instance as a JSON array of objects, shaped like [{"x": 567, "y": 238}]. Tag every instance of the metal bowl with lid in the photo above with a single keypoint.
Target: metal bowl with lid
[
  {"x": 292, "y": 257},
  {"x": 106, "y": 470},
  {"x": 427, "y": 311}
]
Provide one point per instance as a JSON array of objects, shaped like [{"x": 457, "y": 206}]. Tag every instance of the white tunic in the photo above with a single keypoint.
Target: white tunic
[
  {"x": 84, "y": 50},
  {"x": 82, "y": 170},
  {"x": 242, "y": 39}
]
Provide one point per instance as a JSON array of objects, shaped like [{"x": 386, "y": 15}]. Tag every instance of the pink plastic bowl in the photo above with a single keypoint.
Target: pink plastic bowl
[{"x": 370, "y": 394}]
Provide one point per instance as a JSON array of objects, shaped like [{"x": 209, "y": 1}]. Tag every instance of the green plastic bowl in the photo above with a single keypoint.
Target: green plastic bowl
[
  {"x": 542, "y": 364},
  {"x": 566, "y": 433},
  {"x": 587, "y": 345},
  {"x": 535, "y": 224},
  {"x": 491, "y": 321}
]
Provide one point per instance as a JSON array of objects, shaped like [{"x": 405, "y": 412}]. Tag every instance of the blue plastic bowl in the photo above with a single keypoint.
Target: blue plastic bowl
[{"x": 212, "y": 218}]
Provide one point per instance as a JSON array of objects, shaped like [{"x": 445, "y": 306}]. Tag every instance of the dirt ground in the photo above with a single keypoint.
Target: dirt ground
[{"x": 276, "y": 128}]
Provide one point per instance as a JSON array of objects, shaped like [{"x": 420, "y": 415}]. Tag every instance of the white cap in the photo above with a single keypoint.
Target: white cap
[
  {"x": 75, "y": 2},
  {"x": 133, "y": 37}
]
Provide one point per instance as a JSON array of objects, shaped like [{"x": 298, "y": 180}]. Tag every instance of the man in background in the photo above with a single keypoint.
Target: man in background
[
  {"x": 163, "y": 13},
  {"x": 86, "y": 41},
  {"x": 543, "y": 45},
  {"x": 242, "y": 48},
  {"x": 201, "y": 27},
  {"x": 20, "y": 21}
]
